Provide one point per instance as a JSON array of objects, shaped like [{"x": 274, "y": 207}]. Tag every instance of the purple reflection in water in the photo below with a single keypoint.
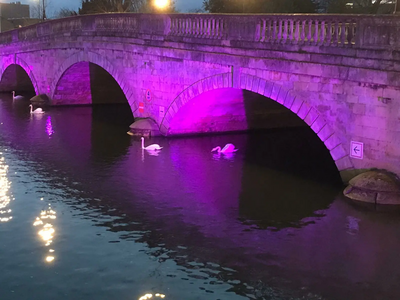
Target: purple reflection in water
[
  {"x": 228, "y": 156},
  {"x": 49, "y": 127}
]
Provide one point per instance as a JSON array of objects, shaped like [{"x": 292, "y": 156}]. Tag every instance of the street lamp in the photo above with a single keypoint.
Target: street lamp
[
  {"x": 44, "y": 12},
  {"x": 40, "y": 8},
  {"x": 160, "y": 4}
]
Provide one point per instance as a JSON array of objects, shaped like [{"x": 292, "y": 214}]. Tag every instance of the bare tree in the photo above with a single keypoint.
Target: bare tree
[
  {"x": 105, "y": 6},
  {"x": 260, "y": 6},
  {"x": 39, "y": 10},
  {"x": 361, "y": 6},
  {"x": 196, "y": 10},
  {"x": 64, "y": 13}
]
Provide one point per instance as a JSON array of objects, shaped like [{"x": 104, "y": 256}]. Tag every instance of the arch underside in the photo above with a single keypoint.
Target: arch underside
[
  {"x": 81, "y": 70},
  {"x": 288, "y": 98},
  {"x": 15, "y": 74}
]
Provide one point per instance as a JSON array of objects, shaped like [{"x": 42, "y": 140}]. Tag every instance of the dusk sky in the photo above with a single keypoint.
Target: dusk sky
[{"x": 56, "y": 5}]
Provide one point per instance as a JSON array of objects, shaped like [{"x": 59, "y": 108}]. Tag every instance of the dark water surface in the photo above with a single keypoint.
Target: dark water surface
[{"x": 86, "y": 214}]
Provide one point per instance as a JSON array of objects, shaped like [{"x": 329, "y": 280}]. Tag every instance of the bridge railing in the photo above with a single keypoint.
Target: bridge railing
[
  {"x": 117, "y": 23},
  {"x": 297, "y": 29},
  {"x": 201, "y": 26},
  {"x": 362, "y": 31},
  {"x": 66, "y": 25}
]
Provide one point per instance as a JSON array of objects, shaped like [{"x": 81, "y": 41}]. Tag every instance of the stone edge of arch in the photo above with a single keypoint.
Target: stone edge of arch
[
  {"x": 95, "y": 58},
  {"x": 15, "y": 60},
  {"x": 288, "y": 98}
]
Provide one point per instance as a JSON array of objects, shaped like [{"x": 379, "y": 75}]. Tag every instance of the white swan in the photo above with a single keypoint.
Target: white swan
[
  {"x": 229, "y": 148},
  {"x": 36, "y": 111},
  {"x": 18, "y": 97},
  {"x": 150, "y": 147}
]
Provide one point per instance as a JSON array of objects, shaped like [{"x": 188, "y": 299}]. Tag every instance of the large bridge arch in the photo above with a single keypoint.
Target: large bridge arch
[
  {"x": 97, "y": 59},
  {"x": 288, "y": 98},
  {"x": 18, "y": 61}
]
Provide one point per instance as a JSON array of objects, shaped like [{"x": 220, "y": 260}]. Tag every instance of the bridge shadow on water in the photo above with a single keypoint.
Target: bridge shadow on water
[
  {"x": 287, "y": 176},
  {"x": 108, "y": 139},
  {"x": 284, "y": 175}
]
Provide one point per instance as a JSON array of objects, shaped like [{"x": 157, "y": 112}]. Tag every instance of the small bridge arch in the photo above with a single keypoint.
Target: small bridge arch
[
  {"x": 19, "y": 62},
  {"x": 97, "y": 59}
]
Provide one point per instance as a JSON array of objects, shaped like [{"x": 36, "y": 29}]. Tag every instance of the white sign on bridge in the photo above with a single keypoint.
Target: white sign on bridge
[{"x": 356, "y": 150}]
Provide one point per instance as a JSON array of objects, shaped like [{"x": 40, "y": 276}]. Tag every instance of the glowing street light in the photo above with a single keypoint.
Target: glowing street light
[{"x": 161, "y": 4}]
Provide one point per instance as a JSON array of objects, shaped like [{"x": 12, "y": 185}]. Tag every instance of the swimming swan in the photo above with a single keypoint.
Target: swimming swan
[
  {"x": 229, "y": 148},
  {"x": 18, "y": 97},
  {"x": 150, "y": 147},
  {"x": 36, "y": 111}
]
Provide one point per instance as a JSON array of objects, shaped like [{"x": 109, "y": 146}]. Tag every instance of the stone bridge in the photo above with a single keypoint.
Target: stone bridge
[{"x": 194, "y": 73}]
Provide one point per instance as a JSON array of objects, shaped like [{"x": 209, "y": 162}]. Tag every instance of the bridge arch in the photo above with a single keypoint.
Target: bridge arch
[
  {"x": 288, "y": 98},
  {"x": 15, "y": 60},
  {"x": 92, "y": 57}
]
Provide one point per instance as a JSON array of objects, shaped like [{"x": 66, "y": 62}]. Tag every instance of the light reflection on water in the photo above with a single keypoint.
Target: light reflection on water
[
  {"x": 49, "y": 126},
  {"x": 150, "y": 296},
  {"x": 185, "y": 223},
  {"x": 5, "y": 198},
  {"x": 46, "y": 229}
]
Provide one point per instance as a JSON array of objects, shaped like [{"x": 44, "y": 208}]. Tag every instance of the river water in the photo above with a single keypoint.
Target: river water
[{"x": 87, "y": 214}]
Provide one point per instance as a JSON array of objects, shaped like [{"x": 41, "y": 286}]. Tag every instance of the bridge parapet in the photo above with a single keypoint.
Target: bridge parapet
[
  {"x": 276, "y": 28},
  {"x": 7, "y": 37},
  {"x": 328, "y": 30},
  {"x": 200, "y": 26},
  {"x": 359, "y": 31},
  {"x": 379, "y": 32}
]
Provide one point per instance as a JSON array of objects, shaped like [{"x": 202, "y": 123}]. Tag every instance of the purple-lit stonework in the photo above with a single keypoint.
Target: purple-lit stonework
[{"x": 340, "y": 74}]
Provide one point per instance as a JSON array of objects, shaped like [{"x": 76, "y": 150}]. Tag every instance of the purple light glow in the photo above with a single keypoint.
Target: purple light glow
[
  {"x": 218, "y": 110},
  {"x": 49, "y": 127}
]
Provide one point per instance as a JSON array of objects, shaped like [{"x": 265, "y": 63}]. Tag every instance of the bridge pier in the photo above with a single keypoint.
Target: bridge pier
[
  {"x": 378, "y": 188},
  {"x": 144, "y": 127}
]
